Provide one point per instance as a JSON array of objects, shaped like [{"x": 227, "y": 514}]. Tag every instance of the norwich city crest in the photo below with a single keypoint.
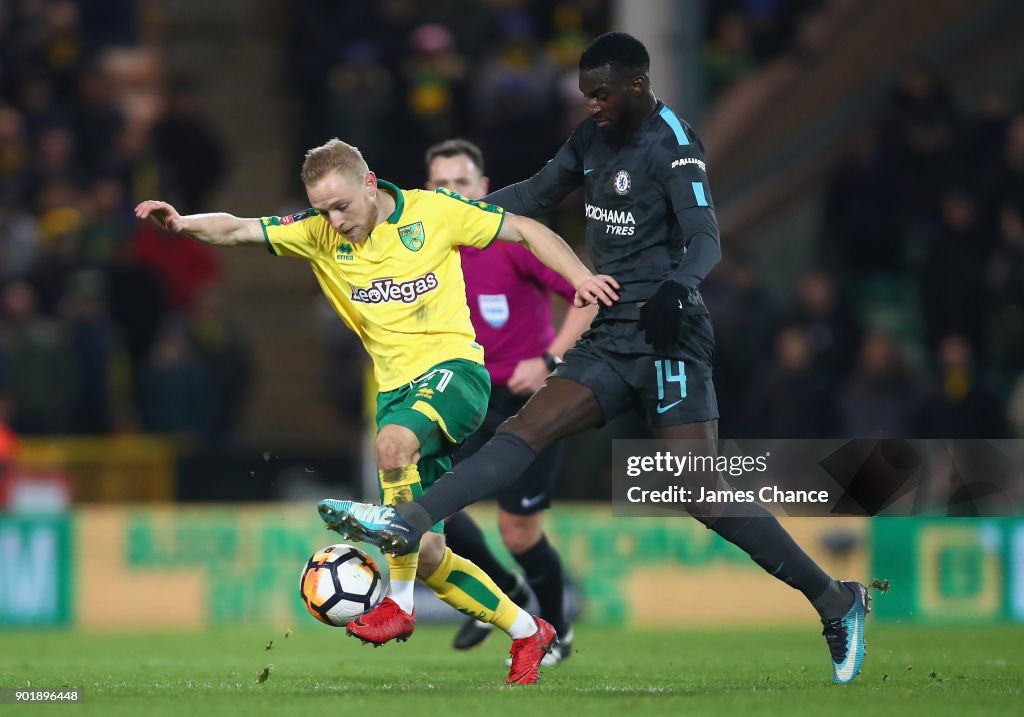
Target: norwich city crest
[{"x": 412, "y": 236}]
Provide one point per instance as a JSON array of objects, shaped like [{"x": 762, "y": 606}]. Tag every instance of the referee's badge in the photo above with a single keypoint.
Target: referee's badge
[
  {"x": 412, "y": 236},
  {"x": 494, "y": 309},
  {"x": 622, "y": 182}
]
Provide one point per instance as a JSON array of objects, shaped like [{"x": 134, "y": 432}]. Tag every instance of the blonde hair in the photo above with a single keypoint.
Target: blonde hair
[{"x": 333, "y": 156}]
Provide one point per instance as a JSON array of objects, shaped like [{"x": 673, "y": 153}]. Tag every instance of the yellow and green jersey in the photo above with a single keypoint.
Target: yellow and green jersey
[{"x": 401, "y": 290}]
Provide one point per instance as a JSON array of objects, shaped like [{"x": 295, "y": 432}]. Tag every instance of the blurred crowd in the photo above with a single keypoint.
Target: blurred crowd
[
  {"x": 912, "y": 321},
  {"x": 395, "y": 76},
  {"x": 745, "y": 34},
  {"x": 105, "y": 325}
]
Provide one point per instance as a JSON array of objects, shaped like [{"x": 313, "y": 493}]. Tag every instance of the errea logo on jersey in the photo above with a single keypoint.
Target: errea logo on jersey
[
  {"x": 683, "y": 161},
  {"x": 381, "y": 291}
]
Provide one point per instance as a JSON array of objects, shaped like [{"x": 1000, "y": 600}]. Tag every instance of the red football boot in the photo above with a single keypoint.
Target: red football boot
[
  {"x": 383, "y": 623},
  {"x": 527, "y": 653}
]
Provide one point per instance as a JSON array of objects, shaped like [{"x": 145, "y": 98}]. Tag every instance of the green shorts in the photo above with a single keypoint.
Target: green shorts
[{"x": 443, "y": 407}]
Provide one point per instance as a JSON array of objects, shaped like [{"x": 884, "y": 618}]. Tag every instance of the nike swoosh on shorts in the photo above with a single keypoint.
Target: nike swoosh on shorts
[{"x": 662, "y": 409}]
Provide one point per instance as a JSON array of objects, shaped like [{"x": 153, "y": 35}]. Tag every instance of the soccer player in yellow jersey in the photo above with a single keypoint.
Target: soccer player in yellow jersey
[{"x": 387, "y": 259}]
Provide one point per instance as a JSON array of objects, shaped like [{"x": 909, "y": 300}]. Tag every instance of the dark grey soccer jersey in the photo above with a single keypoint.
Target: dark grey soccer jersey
[{"x": 649, "y": 211}]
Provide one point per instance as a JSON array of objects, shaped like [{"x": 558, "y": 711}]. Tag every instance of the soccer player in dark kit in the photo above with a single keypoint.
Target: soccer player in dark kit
[{"x": 651, "y": 225}]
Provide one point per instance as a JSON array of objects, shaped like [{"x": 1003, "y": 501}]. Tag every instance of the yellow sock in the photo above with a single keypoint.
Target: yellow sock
[
  {"x": 467, "y": 588},
  {"x": 400, "y": 485},
  {"x": 402, "y": 567}
]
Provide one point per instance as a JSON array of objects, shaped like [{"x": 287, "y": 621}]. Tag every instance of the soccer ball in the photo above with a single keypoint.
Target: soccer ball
[{"x": 339, "y": 583}]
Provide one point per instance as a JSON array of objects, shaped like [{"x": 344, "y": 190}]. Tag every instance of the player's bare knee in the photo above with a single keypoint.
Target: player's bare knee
[
  {"x": 520, "y": 532},
  {"x": 396, "y": 446},
  {"x": 430, "y": 556}
]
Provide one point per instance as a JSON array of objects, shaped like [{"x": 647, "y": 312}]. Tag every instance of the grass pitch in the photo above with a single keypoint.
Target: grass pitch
[{"x": 908, "y": 672}]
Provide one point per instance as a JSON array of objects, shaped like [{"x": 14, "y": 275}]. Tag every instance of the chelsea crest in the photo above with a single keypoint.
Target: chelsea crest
[{"x": 622, "y": 182}]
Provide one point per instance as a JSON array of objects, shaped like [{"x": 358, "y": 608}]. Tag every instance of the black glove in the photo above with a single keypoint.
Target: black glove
[{"x": 662, "y": 316}]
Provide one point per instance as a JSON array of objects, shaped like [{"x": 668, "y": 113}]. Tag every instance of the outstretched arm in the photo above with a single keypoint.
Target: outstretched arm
[
  {"x": 554, "y": 253},
  {"x": 219, "y": 229}
]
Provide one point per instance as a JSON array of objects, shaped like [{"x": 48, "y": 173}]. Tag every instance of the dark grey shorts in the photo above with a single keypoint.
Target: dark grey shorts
[{"x": 670, "y": 388}]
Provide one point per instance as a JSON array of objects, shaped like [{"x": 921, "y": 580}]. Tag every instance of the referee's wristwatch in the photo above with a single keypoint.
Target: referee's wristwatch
[{"x": 550, "y": 361}]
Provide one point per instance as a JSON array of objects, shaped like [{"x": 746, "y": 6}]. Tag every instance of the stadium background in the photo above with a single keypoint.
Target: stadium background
[{"x": 168, "y": 412}]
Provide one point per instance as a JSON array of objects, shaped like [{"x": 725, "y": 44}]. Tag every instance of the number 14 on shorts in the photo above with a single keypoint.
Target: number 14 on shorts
[{"x": 670, "y": 372}]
